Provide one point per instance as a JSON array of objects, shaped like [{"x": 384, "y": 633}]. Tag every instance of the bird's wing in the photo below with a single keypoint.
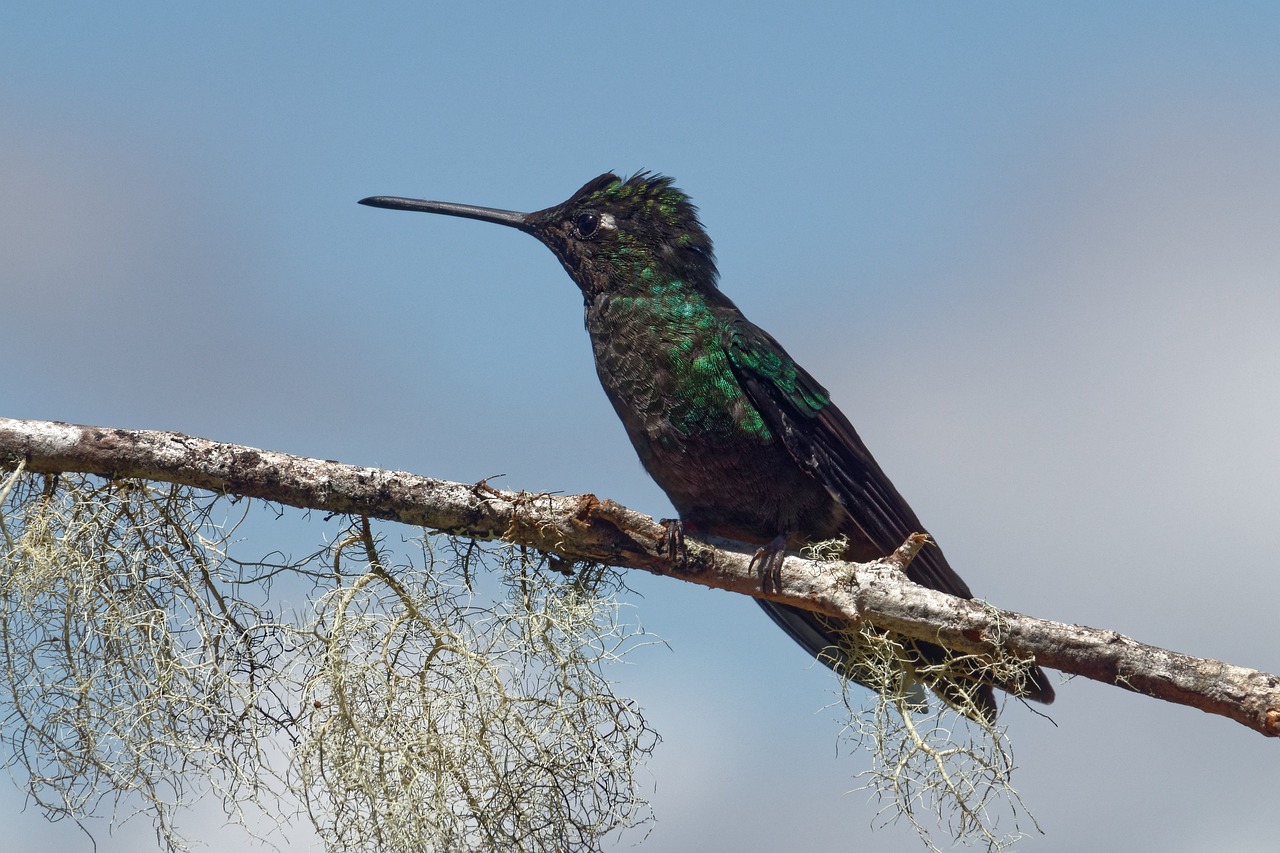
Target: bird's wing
[{"x": 821, "y": 439}]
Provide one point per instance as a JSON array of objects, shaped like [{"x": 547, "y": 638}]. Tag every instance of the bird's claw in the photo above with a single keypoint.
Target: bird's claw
[
  {"x": 673, "y": 544},
  {"x": 767, "y": 564}
]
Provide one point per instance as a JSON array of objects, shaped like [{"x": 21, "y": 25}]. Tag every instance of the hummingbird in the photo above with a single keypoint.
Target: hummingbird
[{"x": 744, "y": 441}]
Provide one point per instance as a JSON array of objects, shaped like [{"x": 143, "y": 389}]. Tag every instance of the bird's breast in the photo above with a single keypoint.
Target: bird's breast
[{"x": 663, "y": 364}]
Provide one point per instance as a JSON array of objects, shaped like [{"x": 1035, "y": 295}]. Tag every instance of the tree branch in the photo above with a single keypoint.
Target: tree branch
[{"x": 586, "y": 528}]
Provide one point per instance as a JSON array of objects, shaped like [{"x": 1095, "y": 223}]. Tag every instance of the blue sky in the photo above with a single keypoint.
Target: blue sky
[{"x": 1031, "y": 249}]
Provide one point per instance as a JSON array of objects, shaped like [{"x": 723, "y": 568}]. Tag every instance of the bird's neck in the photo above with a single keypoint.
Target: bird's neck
[{"x": 661, "y": 355}]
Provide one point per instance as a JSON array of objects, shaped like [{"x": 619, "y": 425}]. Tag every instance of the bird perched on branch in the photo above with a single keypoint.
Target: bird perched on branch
[{"x": 746, "y": 444}]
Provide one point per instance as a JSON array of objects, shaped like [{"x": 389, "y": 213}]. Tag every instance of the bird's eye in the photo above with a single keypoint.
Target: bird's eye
[{"x": 586, "y": 224}]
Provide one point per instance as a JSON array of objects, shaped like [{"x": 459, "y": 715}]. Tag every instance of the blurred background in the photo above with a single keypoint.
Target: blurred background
[{"x": 1030, "y": 248}]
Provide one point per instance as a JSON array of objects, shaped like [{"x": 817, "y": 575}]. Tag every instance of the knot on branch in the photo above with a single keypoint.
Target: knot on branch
[{"x": 1272, "y": 722}]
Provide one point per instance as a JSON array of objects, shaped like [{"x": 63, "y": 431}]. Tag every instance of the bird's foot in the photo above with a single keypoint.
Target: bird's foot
[
  {"x": 673, "y": 544},
  {"x": 767, "y": 564}
]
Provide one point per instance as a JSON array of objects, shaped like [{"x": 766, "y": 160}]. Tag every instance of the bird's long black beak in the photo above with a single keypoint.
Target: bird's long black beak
[{"x": 484, "y": 214}]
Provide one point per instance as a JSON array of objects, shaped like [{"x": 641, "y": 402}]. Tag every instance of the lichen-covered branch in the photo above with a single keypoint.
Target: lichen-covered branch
[{"x": 586, "y": 528}]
